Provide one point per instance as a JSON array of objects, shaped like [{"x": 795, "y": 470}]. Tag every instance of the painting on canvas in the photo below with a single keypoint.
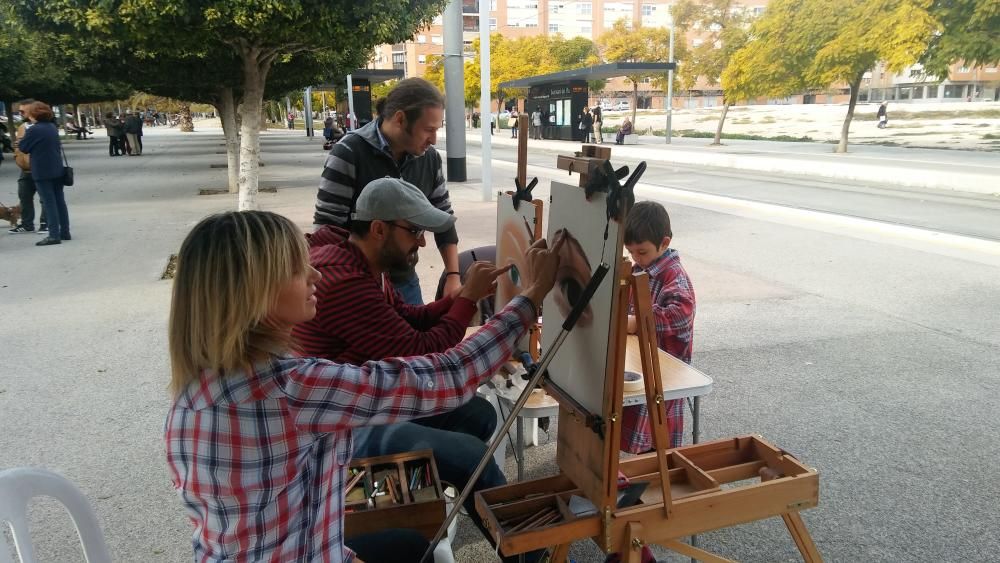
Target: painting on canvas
[
  {"x": 579, "y": 366},
  {"x": 517, "y": 229}
]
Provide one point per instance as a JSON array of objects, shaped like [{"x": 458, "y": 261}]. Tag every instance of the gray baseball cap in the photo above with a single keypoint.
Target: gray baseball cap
[{"x": 391, "y": 199}]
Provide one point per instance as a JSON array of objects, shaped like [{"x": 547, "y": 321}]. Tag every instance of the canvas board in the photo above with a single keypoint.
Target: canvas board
[
  {"x": 579, "y": 366},
  {"x": 516, "y": 231}
]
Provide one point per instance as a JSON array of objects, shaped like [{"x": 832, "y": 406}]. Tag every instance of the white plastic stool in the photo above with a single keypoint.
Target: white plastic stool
[{"x": 19, "y": 486}]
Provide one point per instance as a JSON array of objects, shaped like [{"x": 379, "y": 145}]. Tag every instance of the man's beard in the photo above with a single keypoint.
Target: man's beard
[{"x": 394, "y": 259}]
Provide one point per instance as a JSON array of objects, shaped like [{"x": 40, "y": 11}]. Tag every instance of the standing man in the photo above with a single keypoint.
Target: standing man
[
  {"x": 399, "y": 143},
  {"x": 25, "y": 183},
  {"x": 536, "y": 124}
]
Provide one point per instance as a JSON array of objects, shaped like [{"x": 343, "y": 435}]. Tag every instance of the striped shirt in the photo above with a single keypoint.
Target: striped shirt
[
  {"x": 360, "y": 317},
  {"x": 673, "y": 313},
  {"x": 364, "y": 155},
  {"x": 259, "y": 455}
]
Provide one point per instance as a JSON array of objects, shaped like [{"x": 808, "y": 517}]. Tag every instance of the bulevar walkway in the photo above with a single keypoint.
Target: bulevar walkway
[
  {"x": 794, "y": 338},
  {"x": 970, "y": 171}
]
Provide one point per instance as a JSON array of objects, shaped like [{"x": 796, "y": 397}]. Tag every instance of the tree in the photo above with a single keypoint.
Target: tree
[
  {"x": 260, "y": 34},
  {"x": 726, "y": 23},
  {"x": 804, "y": 44},
  {"x": 640, "y": 45},
  {"x": 969, "y": 31}
]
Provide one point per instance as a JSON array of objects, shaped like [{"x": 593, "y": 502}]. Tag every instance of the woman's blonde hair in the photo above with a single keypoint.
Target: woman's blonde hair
[{"x": 229, "y": 271}]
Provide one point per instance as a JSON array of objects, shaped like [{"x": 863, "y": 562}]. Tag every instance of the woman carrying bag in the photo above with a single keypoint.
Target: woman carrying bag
[{"x": 48, "y": 170}]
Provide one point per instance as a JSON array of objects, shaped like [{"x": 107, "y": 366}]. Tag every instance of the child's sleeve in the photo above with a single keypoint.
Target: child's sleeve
[
  {"x": 673, "y": 309},
  {"x": 328, "y": 396}
]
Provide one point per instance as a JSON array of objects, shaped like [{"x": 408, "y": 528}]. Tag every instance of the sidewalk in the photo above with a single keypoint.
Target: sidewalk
[{"x": 966, "y": 171}]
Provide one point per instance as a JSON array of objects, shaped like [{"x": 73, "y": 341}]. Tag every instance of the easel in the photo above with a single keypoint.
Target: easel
[{"x": 684, "y": 495}]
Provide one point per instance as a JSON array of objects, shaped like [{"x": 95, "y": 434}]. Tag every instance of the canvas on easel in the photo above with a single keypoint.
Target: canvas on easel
[
  {"x": 517, "y": 229},
  {"x": 581, "y": 363}
]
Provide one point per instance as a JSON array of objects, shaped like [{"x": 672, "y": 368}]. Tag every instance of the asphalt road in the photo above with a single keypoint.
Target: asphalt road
[{"x": 868, "y": 349}]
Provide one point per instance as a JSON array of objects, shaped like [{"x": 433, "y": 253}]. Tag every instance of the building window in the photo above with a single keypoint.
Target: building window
[
  {"x": 758, "y": 11},
  {"x": 586, "y": 30},
  {"x": 647, "y": 9},
  {"x": 553, "y": 28},
  {"x": 421, "y": 39},
  {"x": 584, "y": 8},
  {"x": 964, "y": 69},
  {"x": 493, "y": 24},
  {"x": 421, "y": 59},
  {"x": 493, "y": 5},
  {"x": 932, "y": 91},
  {"x": 436, "y": 39}
]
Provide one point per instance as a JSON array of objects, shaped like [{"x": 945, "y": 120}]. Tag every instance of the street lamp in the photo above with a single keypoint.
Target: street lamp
[{"x": 670, "y": 86}]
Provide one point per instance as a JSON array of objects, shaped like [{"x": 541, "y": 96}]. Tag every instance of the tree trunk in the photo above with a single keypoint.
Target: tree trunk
[
  {"x": 635, "y": 104},
  {"x": 254, "y": 77},
  {"x": 227, "y": 114},
  {"x": 722, "y": 119},
  {"x": 187, "y": 124},
  {"x": 846, "y": 129}
]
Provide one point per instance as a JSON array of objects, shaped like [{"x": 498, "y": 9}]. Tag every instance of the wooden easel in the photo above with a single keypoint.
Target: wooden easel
[{"x": 685, "y": 493}]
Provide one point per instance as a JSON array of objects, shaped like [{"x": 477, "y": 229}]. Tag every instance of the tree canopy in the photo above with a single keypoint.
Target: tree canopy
[
  {"x": 968, "y": 30},
  {"x": 642, "y": 44}
]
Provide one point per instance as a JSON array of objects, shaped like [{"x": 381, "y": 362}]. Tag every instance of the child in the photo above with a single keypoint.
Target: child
[
  {"x": 647, "y": 238},
  {"x": 258, "y": 439}
]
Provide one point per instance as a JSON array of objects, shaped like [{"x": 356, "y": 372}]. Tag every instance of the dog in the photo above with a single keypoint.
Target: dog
[{"x": 12, "y": 214}]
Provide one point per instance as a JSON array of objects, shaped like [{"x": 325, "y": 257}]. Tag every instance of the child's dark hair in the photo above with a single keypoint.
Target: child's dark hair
[
  {"x": 647, "y": 221},
  {"x": 410, "y": 96}
]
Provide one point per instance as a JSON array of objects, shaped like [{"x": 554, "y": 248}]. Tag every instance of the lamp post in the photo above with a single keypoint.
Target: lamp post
[
  {"x": 484, "y": 98},
  {"x": 670, "y": 87}
]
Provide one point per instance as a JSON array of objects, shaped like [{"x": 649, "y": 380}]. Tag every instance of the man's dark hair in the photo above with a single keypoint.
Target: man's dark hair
[
  {"x": 360, "y": 229},
  {"x": 647, "y": 221},
  {"x": 410, "y": 96}
]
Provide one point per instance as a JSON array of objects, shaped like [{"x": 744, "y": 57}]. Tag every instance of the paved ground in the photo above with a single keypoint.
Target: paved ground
[{"x": 868, "y": 349}]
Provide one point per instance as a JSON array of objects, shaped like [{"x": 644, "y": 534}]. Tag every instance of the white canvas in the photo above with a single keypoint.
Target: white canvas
[{"x": 579, "y": 366}]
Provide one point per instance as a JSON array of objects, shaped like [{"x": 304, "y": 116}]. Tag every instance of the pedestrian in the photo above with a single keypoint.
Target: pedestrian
[
  {"x": 253, "y": 423},
  {"x": 115, "y": 130},
  {"x": 536, "y": 124},
  {"x": 133, "y": 129},
  {"x": 883, "y": 117},
  {"x": 328, "y": 128},
  {"x": 291, "y": 120},
  {"x": 512, "y": 122},
  {"x": 493, "y": 123},
  {"x": 587, "y": 125},
  {"x": 26, "y": 188},
  {"x": 398, "y": 143},
  {"x": 546, "y": 115},
  {"x": 475, "y": 120},
  {"x": 598, "y": 123},
  {"x": 41, "y": 141}
]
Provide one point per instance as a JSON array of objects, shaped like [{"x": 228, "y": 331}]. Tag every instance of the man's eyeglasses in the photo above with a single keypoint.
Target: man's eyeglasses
[{"x": 417, "y": 233}]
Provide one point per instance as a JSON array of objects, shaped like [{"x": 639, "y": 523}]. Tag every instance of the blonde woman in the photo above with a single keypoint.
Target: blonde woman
[{"x": 258, "y": 439}]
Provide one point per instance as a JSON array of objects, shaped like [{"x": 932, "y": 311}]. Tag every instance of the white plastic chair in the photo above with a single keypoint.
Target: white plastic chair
[{"x": 19, "y": 486}]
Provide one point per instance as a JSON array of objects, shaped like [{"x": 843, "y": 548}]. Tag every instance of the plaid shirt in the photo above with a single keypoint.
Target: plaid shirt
[
  {"x": 673, "y": 312},
  {"x": 259, "y": 458}
]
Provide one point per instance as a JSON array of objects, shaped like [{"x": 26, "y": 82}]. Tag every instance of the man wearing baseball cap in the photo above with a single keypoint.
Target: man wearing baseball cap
[{"x": 361, "y": 317}]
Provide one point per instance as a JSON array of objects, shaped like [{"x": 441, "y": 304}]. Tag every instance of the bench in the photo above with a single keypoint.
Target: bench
[{"x": 631, "y": 139}]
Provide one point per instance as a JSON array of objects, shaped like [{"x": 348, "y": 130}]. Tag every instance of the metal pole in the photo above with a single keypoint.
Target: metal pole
[
  {"x": 308, "y": 108},
  {"x": 670, "y": 88},
  {"x": 350, "y": 103},
  {"x": 484, "y": 99},
  {"x": 454, "y": 86}
]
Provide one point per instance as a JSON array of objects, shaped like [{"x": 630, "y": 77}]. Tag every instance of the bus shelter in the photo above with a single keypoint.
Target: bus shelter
[
  {"x": 361, "y": 91},
  {"x": 562, "y": 96}
]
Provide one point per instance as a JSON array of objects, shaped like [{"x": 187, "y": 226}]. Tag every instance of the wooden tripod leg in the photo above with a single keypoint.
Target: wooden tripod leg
[
  {"x": 694, "y": 552},
  {"x": 632, "y": 550},
  {"x": 560, "y": 554},
  {"x": 799, "y": 533}
]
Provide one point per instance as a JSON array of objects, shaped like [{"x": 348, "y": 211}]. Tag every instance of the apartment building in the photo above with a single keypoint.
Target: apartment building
[{"x": 593, "y": 18}]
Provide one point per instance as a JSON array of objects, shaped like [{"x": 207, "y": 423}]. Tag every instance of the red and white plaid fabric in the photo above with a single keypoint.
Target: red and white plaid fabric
[
  {"x": 259, "y": 457},
  {"x": 673, "y": 309}
]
